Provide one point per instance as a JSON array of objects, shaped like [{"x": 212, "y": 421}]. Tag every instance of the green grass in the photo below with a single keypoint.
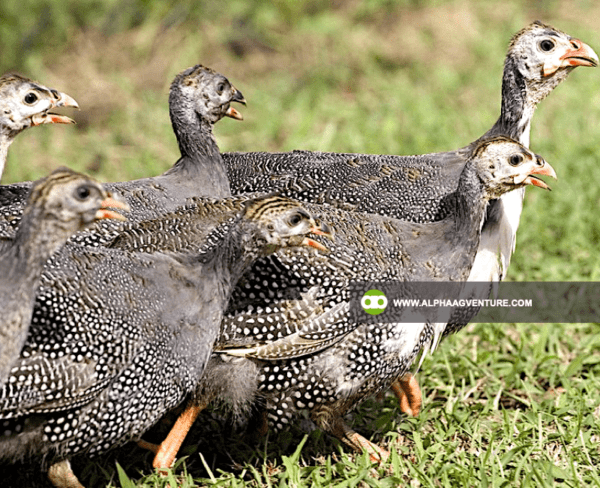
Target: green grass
[{"x": 505, "y": 405}]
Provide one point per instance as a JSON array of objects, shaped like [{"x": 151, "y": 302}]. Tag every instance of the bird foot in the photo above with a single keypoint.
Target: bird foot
[
  {"x": 61, "y": 475},
  {"x": 376, "y": 454},
  {"x": 409, "y": 395},
  {"x": 358, "y": 442}
]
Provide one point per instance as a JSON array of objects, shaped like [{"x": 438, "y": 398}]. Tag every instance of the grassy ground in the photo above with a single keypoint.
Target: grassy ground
[{"x": 505, "y": 405}]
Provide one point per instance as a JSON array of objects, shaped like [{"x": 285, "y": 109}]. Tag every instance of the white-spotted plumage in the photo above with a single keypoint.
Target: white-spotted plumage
[
  {"x": 118, "y": 338},
  {"x": 329, "y": 362},
  {"x": 199, "y": 97},
  {"x": 59, "y": 205}
]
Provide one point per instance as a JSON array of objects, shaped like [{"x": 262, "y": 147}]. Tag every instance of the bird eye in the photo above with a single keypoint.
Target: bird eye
[
  {"x": 547, "y": 45},
  {"x": 83, "y": 192},
  {"x": 516, "y": 159},
  {"x": 220, "y": 88},
  {"x": 30, "y": 98},
  {"x": 295, "y": 219}
]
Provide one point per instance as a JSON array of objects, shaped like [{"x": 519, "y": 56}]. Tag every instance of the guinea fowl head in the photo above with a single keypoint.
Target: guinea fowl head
[
  {"x": 205, "y": 92},
  {"x": 539, "y": 58},
  {"x": 503, "y": 164},
  {"x": 544, "y": 56},
  {"x": 275, "y": 222},
  {"x": 69, "y": 202},
  {"x": 25, "y": 103}
]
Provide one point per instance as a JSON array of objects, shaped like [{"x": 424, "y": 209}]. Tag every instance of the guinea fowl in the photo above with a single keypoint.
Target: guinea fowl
[
  {"x": 59, "y": 205},
  {"x": 118, "y": 338},
  {"x": 414, "y": 188},
  {"x": 199, "y": 97},
  {"x": 25, "y": 103},
  {"x": 330, "y": 362}
]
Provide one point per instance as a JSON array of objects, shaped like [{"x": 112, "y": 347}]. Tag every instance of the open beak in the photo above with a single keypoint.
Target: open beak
[
  {"x": 232, "y": 112},
  {"x": 61, "y": 100},
  {"x": 580, "y": 55},
  {"x": 110, "y": 202},
  {"x": 321, "y": 230},
  {"x": 541, "y": 168},
  {"x": 49, "y": 118}
]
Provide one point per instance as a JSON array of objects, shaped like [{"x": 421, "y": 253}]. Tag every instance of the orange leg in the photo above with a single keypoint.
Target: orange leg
[
  {"x": 166, "y": 452},
  {"x": 148, "y": 445},
  {"x": 357, "y": 441},
  {"x": 61, "y": 475},
  {"x": 409, "y": 395}
]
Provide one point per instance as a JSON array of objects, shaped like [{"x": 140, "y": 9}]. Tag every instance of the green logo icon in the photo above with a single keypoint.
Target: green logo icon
[{"x": 374, "y": 302}]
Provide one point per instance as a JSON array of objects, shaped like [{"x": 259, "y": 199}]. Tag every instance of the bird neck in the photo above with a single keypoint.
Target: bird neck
[
  {"x": 240, "y": 247},
  {"x": 6, "y": 139},
  {"x": 227, "y": 253},
  {"x": 469, "y": 202},
  {"x": 517, "y": 106},
  {"x": 35, "y": 241},
  {"x": 200, "y": 161}
]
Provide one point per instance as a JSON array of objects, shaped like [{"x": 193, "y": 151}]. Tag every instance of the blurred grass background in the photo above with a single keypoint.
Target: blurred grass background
[{"x": 506, "y": 405}]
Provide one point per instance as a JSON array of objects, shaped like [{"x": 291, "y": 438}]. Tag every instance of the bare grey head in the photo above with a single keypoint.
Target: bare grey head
[
  {"x": 545, "y": 55},
  {"x": 503, "y": 165},
  {"x": 539, "y": 58},
  {"x": 66, "y": 202},
  {"x": 205, "y": 93}
]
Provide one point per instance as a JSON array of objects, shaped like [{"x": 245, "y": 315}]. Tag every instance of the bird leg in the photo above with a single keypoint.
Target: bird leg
[
  {"x": 263, "y": 427},
  {"x": 259, "y": 424},
  {"x": 408, "y": 392},
  {"x": 148, "y": 446},
  {"x": 61, "y": 475},
  {"x": 166, "y": 452},
  {"x": 357, "y": 442}
]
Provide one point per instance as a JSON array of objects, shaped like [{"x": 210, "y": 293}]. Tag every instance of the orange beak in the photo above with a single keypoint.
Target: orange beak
[
  {"x": 321, "y": 230},
  {"x": 311, "y": 243},
  {"x": 61, "y": 100},
  {"x": 580, "y": 55},
  {"x": 104, "y": 213},
  {"x": 232, "y": 112},
  {"x": 48, "y": 118},
  {"x": 541, "y": 168}
]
